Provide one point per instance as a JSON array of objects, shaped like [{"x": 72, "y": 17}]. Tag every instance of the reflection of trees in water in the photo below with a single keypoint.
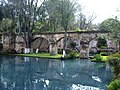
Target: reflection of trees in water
[
  {"x": 83, "y": 71},
  {"x": 21, "y": 73},
  {"x": 33, "y": 74}
]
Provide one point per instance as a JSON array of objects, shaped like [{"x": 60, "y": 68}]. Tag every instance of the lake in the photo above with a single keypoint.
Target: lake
[{"x": 27, "y": 73}]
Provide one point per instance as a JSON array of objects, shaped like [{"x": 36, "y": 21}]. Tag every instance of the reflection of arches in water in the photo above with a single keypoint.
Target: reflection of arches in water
[{"x": 40, "y": 43}]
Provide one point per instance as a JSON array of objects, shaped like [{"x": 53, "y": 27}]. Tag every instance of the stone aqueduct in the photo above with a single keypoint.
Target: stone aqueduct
[{"x": 84, "y": 40}]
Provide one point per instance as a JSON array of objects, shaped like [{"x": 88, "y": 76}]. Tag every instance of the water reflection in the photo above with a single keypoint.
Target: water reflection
[{"x": 25, "y": 73}]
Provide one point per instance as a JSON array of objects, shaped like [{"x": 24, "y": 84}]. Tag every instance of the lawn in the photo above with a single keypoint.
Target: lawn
[{"x": 41, "y": 55}]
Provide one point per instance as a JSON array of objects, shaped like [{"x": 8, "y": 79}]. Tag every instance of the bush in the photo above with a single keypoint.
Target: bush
[
  {"x": 73, "y": 54},
  {"x": 115, "y": 55},
  {"x": 114, "y": 85},
  {"x": 115, "y": 63},
  {"x": 97, "y": 57},
  {"x": 102, "y": 43}
]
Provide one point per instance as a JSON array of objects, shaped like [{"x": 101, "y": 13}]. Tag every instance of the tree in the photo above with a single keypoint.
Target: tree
[
  {"x": 53, "y": 14},
  {"x": 7, "y": 25},
  {"x": 84, "y": 22},
  {"x": 67, "y": 11},
  {"x": 1, "y": 13},
  {"x": 26, "y": 13},
  {"x": 112, "y": 25}
]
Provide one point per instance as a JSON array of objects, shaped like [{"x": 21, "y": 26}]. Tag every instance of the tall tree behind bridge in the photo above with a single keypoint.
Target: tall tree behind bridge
[
  {"x": 84, "y": 21},
  {"x": 112, "y": 25},
  {"x": 1, "y": 13},
  {"x": 53, "y": 14},
  {"x": 26, "y": 13},
  {"x": 67, "y": 8}
]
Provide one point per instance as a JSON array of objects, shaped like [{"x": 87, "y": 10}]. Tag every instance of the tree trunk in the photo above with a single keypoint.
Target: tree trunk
[
  {"x": 28, "y": 45},
  {"x": 65, "y": 43}
]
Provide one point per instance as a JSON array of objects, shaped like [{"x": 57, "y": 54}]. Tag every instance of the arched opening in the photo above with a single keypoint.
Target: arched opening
[
  {"x": 97, "y": 45},
  {"x": 102, "y": 43},
  {"x": 40, "y": 43},
  {"x": 72, "y": 44}
]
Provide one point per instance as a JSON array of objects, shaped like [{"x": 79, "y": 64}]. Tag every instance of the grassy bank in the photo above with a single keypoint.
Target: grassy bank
[
  {"x": 40, "y": 55},
  {"x": 102, "y": 59}
]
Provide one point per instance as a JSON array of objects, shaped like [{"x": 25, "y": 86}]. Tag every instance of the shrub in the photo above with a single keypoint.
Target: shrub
[
  {"x": 114, "y": 85},
  {"x": 115, "y": 63},
  {"x": 115, "y": 55},
  {"x": 97, "y": 57},
  {"x": 73, "y": 54},
  {"x": 101, "y": 42}
]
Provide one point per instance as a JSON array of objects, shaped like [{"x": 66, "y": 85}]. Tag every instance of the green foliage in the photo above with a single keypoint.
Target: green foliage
[
  {"x": 114, "y": 85},
  {"x": 115, "y": 55},
  {"x": 102, "y": 57},
  {"x": 114, "y": 61},
  {"x": 78, "y": 29},
  {"x": 73, "y": 54},
  {"x": 7, "y": 25},
  {"x": 40, "y": 26},
  {"x": 101, "y": 43},
  {"x": 110, "y": 24},
  {"x": 97, "y": 57}
]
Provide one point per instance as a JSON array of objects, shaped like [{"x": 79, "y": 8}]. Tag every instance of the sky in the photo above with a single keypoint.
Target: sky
[{"x": 102, "y": 9}]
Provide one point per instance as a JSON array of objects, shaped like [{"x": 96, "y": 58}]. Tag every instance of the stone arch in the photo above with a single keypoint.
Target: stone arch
[
  {"x": 60, "y": 41},
  {"x": 101, "y": 42},
  {"x": 41, "y": 36},
  {"x": 94, "y": 45},
  {"x": 40, "y": 43}
]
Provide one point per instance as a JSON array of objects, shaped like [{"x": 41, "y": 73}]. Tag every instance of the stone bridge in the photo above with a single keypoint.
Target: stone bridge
[{"x": 85, "y": 40}]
